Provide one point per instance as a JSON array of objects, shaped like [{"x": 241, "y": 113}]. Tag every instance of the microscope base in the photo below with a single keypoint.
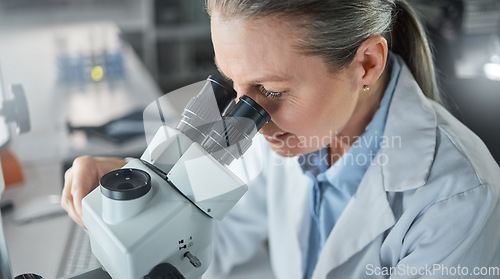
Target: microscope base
[{"x": 94, "y": 273}]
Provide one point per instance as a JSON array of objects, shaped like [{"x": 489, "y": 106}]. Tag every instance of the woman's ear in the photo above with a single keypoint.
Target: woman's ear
[{"x": 371, "y": 58}]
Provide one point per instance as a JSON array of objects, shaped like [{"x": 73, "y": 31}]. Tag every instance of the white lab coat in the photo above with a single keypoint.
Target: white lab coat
[{"x": 431, "y": 201}]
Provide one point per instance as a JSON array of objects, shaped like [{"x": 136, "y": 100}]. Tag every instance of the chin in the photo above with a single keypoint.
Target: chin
[
  {"x": 292, "y": 152},
  {"x": 286, "y": 152}
]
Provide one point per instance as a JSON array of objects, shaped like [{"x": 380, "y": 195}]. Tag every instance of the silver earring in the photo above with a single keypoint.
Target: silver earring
[{"x": 366, "y": 88}]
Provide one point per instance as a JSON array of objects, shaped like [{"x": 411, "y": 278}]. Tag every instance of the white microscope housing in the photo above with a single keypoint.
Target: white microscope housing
[{"x": 156, "y": 214}]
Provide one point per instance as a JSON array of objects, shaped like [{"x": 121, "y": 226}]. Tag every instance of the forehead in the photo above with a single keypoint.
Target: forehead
[{"x": 243, "y": 46}]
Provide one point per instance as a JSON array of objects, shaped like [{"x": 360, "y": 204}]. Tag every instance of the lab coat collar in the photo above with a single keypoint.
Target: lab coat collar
[
  {"x": 368, "y": 214},
  {"x": 411, "y": 136}
]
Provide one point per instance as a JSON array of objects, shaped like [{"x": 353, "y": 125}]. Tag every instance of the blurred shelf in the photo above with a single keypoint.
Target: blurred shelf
[
  {"x": 129, "y": 15},
  {"x": 182, "y": 32},
  {"x": 479, "y": 16},
  {"x": 482, "y": 16},
  {"x": 171, "y": 37}
]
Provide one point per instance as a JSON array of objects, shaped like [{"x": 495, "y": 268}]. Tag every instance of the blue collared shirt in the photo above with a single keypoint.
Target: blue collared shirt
[{"x": 333, "y": 187}]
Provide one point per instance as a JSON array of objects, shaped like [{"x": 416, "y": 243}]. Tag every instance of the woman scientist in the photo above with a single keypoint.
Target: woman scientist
[{"x": 365, "y": 173}]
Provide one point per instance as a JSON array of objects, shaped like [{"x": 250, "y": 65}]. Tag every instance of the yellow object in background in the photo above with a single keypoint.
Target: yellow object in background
[{"x": 97, "y": 73}]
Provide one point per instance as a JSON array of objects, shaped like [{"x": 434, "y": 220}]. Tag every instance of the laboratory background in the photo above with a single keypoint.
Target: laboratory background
[{"x": 88, "y": 69}]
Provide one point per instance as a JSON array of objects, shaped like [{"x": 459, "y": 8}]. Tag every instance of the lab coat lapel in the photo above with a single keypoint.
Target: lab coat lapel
[
  {"x": 367, "y": 215},
  {"x": 290, "y": 217},
  {"x": 412, "y": 121},
  {"x": 302, "y": 220}
]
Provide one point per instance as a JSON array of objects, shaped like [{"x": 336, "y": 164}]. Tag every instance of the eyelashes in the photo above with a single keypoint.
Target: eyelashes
[{"x": 270, "y": 94}]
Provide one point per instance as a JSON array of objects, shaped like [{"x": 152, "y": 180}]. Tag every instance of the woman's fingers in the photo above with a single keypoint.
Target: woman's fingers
[{"x": 81, "y": 179}]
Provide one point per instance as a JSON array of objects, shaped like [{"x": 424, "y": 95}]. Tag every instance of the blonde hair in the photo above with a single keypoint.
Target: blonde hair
[{"x": 334, "y": 29}]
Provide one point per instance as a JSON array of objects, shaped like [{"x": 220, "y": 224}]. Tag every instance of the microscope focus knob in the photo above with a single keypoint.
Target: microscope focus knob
[{"x": 193, "y": 259}]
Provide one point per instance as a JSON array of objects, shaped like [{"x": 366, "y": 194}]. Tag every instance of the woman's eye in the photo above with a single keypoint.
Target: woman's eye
[{"x": 270, "y": 94}]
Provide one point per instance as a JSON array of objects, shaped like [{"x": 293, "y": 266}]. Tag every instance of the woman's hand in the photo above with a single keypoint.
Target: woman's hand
[{"x": 81, "y": 179}]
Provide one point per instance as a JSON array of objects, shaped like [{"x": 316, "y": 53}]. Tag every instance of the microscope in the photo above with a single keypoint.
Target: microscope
[{"x": 155, "y": 217}]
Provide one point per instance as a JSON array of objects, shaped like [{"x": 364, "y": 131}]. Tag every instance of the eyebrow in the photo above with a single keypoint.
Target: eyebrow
[{"x": 268, "y": 78}]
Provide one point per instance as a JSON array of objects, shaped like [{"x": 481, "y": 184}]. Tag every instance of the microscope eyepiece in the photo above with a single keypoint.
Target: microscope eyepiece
[
  {"x": 248, "y": 108},
  {"x": 125, "y": 184}
]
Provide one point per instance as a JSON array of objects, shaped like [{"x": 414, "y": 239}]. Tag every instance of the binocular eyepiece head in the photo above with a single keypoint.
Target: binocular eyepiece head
[{"x": 226, "y": 131}]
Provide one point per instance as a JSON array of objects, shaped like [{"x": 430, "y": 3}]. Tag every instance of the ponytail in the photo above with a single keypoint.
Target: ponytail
[{"x": 408, "y": 39}]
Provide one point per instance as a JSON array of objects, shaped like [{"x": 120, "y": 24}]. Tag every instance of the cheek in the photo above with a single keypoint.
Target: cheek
[
  {"x": 294, "y": 117},
  {"x": 315, "y": 116}
]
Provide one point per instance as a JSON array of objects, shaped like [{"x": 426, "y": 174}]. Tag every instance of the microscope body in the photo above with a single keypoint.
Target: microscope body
[
  {"x": 174, "y": 221},
  {"x": 156, "y": 215}
]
